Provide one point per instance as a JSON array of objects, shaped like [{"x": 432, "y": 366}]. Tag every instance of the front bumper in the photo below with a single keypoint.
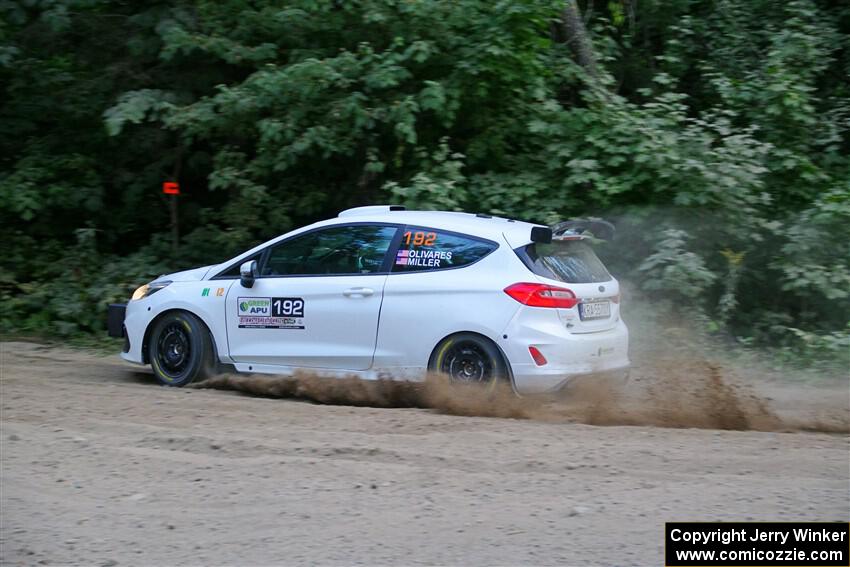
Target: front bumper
[
  {"x": 115, "y": 313},
  {"x": 136, "y": 319},
  {"x": 115, "y": 319}
]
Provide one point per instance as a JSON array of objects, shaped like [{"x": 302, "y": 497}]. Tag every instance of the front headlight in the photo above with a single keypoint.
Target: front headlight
[{"x": 149, "y": 289}]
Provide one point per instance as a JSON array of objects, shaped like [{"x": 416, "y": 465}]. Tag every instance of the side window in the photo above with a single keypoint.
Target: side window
[
  {"x": 356, "y": 249},
  {"x": 426, "y": 249}
]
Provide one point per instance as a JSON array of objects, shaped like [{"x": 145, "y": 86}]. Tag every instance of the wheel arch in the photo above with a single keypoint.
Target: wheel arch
[
  {"x": 505, "y": 358},
  {"x": 160, "y": 315}
]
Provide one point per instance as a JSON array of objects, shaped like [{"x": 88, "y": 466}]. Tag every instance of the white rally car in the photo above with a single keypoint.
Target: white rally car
[{"x": 384, "y": 292}]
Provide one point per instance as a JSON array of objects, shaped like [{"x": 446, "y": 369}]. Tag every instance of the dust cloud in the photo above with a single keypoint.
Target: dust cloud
[
  {"x": 671, "y": 393},
  {"x": 436, "y": 392}
]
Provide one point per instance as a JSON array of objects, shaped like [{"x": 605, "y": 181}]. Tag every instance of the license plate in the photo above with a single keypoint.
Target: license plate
[{"x": 594, "y": 310}]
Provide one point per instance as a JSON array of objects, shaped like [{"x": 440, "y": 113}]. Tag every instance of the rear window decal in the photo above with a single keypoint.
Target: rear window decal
[
  {"x": 420, "y": 238},
  {"x": 427, "y": 258},
  {"x": 424, "y": 250}
]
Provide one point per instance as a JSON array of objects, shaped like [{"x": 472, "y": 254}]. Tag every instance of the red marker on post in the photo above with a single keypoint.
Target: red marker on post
[{"x": 173, "y": 188}]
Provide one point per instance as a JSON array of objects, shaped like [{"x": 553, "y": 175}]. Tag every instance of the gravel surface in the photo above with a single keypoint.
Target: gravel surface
[{"x": 100, "y": 466}]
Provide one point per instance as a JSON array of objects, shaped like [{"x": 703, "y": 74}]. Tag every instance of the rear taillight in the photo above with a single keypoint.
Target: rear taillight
[{"x": 541, "y": 295}]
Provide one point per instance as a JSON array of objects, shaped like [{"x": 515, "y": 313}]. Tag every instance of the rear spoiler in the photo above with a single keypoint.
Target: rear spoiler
[
  {"x": 572, "y": 229},
  {"x": 597, "y": 228}
]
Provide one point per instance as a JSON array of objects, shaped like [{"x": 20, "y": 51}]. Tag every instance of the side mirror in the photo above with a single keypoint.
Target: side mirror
[{"x": 248, "y": 272}]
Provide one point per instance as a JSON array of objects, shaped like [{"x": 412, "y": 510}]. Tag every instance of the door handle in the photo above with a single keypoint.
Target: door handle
[{"x": 361, "y": 291}]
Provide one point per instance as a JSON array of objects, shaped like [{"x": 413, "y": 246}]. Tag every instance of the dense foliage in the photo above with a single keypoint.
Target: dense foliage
[{"x": 715, "y": 133}]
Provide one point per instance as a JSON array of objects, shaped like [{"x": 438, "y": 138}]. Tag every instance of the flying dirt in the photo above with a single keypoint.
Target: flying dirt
[
  {"x": 101, "y": 466},
  {"x": 679, "y": 394},
  {"x": 675, "y": 382}
]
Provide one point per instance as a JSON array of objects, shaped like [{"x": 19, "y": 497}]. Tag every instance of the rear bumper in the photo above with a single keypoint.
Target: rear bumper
[
  {"x": 568, "y": 356},
  {"x": 531, "y": 381}
]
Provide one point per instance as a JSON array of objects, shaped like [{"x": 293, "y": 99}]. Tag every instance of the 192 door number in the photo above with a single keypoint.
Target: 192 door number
[{"x": 287, "y": 307}]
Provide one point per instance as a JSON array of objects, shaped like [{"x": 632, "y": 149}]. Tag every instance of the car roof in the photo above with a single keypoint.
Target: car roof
[
  {"x": 483, "y": 226},
  {"x": 475, "y": 224}
]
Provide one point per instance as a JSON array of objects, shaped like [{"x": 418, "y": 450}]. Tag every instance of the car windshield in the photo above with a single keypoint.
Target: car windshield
[{"x": 569, "y": 261}]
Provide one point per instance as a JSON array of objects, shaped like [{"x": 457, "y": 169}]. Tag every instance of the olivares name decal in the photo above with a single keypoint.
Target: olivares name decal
[{"x": 429, "y": 258}]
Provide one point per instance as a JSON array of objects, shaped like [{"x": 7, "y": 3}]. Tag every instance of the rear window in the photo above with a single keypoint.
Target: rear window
[
  {"x": 569, "y": 261},
  {"x": 426, "y": 249}
]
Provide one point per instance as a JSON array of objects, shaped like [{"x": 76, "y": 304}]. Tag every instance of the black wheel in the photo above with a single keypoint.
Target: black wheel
[
  {"x": 180, "y": 349},
  {"x": 469, "y": 358}
]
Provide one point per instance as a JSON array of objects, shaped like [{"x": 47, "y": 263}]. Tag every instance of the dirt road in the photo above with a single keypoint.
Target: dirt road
[{"x": 100, "y": 466}]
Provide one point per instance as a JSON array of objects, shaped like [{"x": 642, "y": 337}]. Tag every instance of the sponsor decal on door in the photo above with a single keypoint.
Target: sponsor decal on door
[{"x": 270, "y": 312}]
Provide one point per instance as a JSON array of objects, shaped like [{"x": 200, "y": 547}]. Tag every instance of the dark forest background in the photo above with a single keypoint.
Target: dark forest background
[{"x": 716, "y": 134}]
